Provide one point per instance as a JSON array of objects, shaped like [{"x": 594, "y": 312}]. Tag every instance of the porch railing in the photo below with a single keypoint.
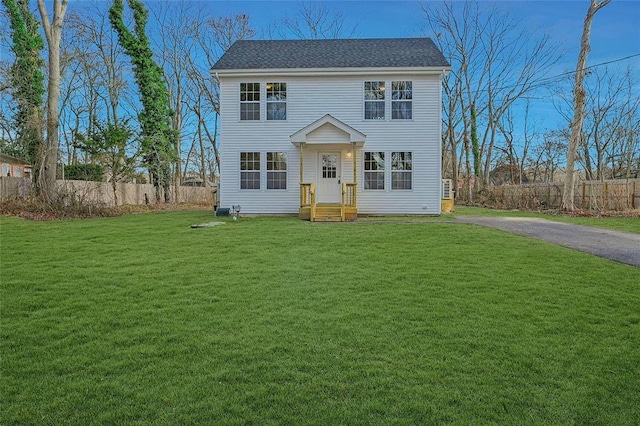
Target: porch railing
[
  {"x": 348, "y": 197},
  {"x": 308, "y": 197},
  {"x": 349, "y": 194}
]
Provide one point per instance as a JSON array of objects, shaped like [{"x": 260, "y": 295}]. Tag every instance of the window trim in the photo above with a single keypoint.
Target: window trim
[
  {"x": 395, "y": 101},
  {"x": 267, "y": 101},
  {"x": 382, "y": 86},
  {"x": 402, "y": 171},
  {"x": 383, "y": 171},
  {"x": 388, "y": 100},
  {"x": 245, "y": 102},
  {"x": 252, "y": 171},
  {"x": 274, "y": 171}
]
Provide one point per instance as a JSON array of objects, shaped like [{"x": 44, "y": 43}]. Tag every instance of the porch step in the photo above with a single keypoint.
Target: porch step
[{"x": 328, "y": 214}]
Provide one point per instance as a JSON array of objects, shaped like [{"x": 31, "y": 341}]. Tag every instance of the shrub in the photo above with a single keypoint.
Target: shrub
[{"x": 92, "y": 172}]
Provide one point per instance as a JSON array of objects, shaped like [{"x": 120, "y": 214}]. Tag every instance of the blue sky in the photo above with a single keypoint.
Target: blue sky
[{"x": 615, "y": 33}]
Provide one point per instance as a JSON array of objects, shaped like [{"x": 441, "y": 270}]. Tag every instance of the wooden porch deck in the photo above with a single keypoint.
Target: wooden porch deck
[{"x": 328, "y": 212}]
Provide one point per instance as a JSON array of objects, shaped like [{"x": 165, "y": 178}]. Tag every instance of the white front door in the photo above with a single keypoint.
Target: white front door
[{"x": 329, "y": 187}]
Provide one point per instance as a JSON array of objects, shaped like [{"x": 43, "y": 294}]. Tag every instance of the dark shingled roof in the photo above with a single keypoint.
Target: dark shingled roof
[{"x": 340, "y": 53}]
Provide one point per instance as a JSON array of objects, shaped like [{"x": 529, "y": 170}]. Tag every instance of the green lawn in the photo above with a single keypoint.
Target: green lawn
[{"x": 141, "y": 319}]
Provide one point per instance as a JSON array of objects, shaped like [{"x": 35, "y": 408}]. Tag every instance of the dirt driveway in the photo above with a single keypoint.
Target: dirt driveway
[{"x": 622, "y": 247}]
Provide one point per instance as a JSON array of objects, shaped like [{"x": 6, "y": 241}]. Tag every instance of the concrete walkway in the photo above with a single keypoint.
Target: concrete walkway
[{"x": 622, "y": 247}]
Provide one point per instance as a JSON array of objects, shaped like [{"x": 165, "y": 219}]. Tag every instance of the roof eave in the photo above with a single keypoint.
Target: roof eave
[{"x": 438, "y": 70}]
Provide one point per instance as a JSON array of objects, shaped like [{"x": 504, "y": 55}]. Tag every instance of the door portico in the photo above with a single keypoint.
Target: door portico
[{"x": 328, "y": 148}]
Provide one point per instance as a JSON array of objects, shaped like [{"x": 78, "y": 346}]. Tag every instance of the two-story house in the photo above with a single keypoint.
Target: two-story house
[{"x": 328, "y": 129}]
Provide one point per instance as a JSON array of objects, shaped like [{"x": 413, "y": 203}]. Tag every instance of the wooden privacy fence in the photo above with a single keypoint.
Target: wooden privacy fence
[
  {"x": 101, "y": 193},
  {"x": 612, "y": 195}
]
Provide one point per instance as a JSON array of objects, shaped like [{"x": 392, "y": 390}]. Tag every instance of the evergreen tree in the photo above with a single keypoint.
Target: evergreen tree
[{"x": 158, "y": 137}]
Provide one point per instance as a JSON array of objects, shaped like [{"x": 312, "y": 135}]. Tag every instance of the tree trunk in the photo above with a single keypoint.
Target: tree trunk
[
  {"x": 475, "y": 147},
  {"x": 578, "y": 106},
  {"x": 203, "y": 167},
  {"x": 469, "y": 174},
  {"x": 49, "y": 154}
]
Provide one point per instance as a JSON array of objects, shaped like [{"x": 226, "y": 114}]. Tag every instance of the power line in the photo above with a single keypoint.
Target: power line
[
  {"x": 538, "y": 83},
  {"x": 589, "y": 67}
]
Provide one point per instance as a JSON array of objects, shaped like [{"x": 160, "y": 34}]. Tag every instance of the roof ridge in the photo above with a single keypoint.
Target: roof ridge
[{"x": 408, "y": 52}]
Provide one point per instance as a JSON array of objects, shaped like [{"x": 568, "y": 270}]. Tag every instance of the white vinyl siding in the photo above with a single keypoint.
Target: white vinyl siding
[{"x": 308, "y": 99}]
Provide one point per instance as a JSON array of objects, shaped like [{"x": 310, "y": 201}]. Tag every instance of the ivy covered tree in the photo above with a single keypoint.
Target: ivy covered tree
[
  {"x": 158, "y": 136},
  {"x": 27, "y": 79}
]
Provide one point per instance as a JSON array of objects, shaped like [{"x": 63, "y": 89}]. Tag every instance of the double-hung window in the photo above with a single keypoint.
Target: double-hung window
[
  {"x": 401, "y": 100},
  {"x": 401, "y": 170},
  {"x": 249, "y": 101},
  {"x": 249, "y": 170},
  {"x": 276, "y": 101},
  {"x": 374, "y": 170},
  {"x": 374, "y": 100},
  {"x": 276, "y": 170}
]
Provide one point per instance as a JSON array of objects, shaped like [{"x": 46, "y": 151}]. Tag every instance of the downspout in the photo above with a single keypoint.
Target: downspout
[
  {"x": 301, "y": 163},
  {"x": 353, "y": 156}
]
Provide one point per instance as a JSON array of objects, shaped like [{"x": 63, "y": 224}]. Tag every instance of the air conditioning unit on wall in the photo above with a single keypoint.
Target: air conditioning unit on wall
[
  {"x": 447, "y": 189},
  {"x": 447, "y": 196}
]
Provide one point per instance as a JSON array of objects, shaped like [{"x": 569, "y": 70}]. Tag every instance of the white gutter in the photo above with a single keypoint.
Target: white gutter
[{"x": 332, "y": 71}]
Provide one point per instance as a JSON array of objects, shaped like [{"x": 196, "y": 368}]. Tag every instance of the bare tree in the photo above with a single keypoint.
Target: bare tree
[
  {"x": 496, "y": 62},
  {"x": 547, "y": 156},
  {"x": 187, "y": 45},
  {"x": 313, "y": 21},
  {"x": 213, "y": 38},
  {"x": 515, "y": 153},
  {"x": 579, "y": 105}
]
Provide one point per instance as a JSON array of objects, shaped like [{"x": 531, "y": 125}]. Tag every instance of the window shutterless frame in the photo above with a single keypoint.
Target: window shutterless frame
[
  {"x": 276, "y": 101},
  {"x": 250, "y": 101},
  {"x": 401, "y": 170},
  {"x": 374, "y": 100},
  {"x": 250, "y": 170},
  {"x": 276, "y": 170},
  {"x": 401, "y": 100},
  {"x": 374, "y": 170}
]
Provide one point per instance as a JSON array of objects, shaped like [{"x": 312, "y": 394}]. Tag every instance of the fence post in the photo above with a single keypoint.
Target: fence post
[
  {"x": 606, "y": 196},
  {"x": 584, "y": 184}
]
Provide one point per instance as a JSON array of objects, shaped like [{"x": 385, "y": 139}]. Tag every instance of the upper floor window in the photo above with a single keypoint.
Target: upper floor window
[
  {"x": 401, "y": 170},
  {"x": 401, "y": 100},
  {"x": 249, "y": 101},
  {"x": 249, "y": 170},
  {"x": 276, "y": 101},
  {"x": 374, "y": 170},
  {"x": 374, "y": 100},
  {"x": 276, "y": 170}
]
